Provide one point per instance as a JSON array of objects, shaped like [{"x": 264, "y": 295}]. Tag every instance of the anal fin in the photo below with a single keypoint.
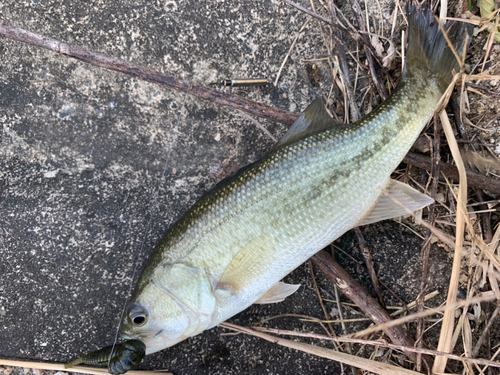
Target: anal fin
[
  {"x": 278, "y": 293},
  {"x": 396, "y": 200}
]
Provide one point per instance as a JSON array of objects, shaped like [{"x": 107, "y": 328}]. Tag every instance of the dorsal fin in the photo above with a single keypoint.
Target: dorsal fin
[{"x": 313, "y": 120}]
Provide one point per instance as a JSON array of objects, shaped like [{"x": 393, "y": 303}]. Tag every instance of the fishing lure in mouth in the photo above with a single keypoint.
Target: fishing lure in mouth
[{"x": 125, "y": 357}]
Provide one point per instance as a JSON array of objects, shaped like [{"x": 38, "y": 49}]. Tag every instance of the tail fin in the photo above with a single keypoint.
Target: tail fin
[{"x": 427, "y": 46}]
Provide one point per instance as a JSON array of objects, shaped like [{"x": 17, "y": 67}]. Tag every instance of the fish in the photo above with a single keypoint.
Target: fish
[{"x": 323, "y": 178}]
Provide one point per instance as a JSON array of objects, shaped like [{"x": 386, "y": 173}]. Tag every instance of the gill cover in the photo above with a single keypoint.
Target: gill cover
[{"x": 177, "y": 302}]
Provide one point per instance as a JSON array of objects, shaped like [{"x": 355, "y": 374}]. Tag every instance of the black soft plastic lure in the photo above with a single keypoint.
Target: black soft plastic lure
[{"x": 125, "y": 357}]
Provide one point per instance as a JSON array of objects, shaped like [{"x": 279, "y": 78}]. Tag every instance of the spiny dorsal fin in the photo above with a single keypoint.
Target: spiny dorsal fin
[
  {"x": 396, "y": 200},
  {"x": 313, "y": 120}
]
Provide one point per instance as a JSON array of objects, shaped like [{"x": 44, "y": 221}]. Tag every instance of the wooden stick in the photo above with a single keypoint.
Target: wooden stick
[
  {"x": 473, "y": 179},
  {"x": 149, "y": 75},
  {"x": 365, "y": 302}
]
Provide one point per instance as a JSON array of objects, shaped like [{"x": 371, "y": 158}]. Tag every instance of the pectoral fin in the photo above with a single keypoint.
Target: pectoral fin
[
  {"x": 248, "y": 265},
  {"x": 278, "y": 293},
  {"x": 397, "y": 199}
]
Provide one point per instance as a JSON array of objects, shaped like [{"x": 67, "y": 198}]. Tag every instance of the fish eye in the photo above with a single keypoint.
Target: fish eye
[
  {"x": 139, "y": 319},
  {"x": 137, "y": 315}
]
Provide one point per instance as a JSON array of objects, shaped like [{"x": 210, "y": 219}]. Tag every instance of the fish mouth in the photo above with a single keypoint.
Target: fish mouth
[
  {"x": 129, "y": 336},
  {"x": 125, "y": 336},
  {"x": 139, "y": 336}
]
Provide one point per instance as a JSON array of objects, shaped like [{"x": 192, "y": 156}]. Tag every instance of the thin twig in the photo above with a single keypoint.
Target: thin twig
[
  {"x": 362, "y": 363},
  {"x": 355, "y": 34},
  {"x": 450, "y": 44},
  {"x": 380, "y": 343},
  {"x": 485, "y": 215},
  {"x": 258, "y": 124},
  {"x": 78, "y": 369},
  {"x": 340, "y": 307},
  {"x": 457, "y": 117},
  {"x": 474, "y": 179},
  {"x": 443, "y": 10},
  {"x": 424, "y": 281},
  {"x": 365, "y": 250},
  {"x": 315, "y": 15},
  {"x": 486, "y": 330},
  {"x": 145, "y": 74},
  {"x": 413, "y": 304},
  {"x": 444, "y": 344},
  {"x": 290, "y": 50},
  {"x": 382, "y": 90},
  {"x": 358, "y": 295},
  {"x": 486, "y": 296},
  {"x": 340, "y": 52},
  {"x": 490, "y": 44},
  {"x": 327, "y": 317}
]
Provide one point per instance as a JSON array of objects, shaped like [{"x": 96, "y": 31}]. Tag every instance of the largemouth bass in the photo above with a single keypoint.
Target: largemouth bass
[{"x": 322, "y": 178}]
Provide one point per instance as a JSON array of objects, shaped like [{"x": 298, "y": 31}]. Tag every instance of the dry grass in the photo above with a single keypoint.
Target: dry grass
[{"x": 38, "y": 366}]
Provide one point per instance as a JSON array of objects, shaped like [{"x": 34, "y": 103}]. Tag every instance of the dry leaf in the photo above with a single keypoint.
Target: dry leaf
[
  {"x": 377, "y": 44},
  {"x": 391, "y": 54},
  {"x": 483, "y": 164},
  {"x": 493, "y": 282}
]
